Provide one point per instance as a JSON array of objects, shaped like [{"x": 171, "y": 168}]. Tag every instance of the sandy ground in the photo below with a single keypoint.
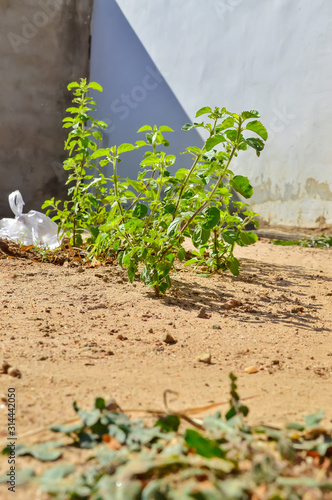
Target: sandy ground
[{"x": 76, "y": 333}]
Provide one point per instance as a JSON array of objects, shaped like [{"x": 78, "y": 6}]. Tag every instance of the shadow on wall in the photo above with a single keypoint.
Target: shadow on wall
[{"x": 135, "y": 92}]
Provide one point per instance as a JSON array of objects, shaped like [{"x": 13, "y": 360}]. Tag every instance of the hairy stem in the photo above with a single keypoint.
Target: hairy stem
[{"x": 191, "y": 170}]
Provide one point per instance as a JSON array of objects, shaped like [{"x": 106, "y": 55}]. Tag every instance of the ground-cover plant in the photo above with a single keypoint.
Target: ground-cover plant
[
  {"x": 144, "y": 221},
  {"x": 215, "y": 458},
  {"x": 321, "y": 241}
]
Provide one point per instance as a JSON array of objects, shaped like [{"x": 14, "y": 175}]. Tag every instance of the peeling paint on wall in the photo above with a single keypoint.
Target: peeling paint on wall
[{"x": 320, "y": 190}]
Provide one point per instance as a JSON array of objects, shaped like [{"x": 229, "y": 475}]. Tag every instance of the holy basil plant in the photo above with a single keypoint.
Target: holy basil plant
[{"x": 143, "y": 222}]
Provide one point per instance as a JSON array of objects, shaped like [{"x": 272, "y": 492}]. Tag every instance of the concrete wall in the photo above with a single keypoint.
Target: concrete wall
[
  {"x": 274, "y": 56},
  {"x": 135, "y": 92},
  {"x": 44, "y": 46}
]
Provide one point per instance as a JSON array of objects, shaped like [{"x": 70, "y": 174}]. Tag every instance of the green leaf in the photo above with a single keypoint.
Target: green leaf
[
  {"x": 214, "y": 140},
  {"x": 173, "y": 227},
  {"x": 228, "y": 123},
  {"x": 131, "y": 273},
  {"x": 150, "y": 160},
  {"x": 256, "y": 144},
  {"x": 138, "y": 185},
  {"x": 45, "y": 452},
  {"x": 100, "y": 152},
  {"x": 258, "y": 127},
  {"x": 67, "y": 429},
  {"x": 164, "y": 128},
  {"x": 207, "y": 448},
  {"x": 200, "y": 236},
  {"x": 250, "y": 114},
  {"x": 58, "y": 472},
  {"x": 212, "y": 217},
  {"x": 140, "y": 210},
  {"x": 231, "y": 134},
  {"x": 98, "y": 135},
  {"x": 295, "y": 426},
  {"x": 139, "y": 144},
  {"x": 248, "y": 238},
  {"x": 169, "y": 208},
  {"x": 144, "y": 128},
  {"x": 96, "y": 86},
  {"x": 168, "y": 423},
  {"x": 170, "y": 159},
  {"x": 73, "y": 110},
  {"x": 234, "y": 266},
  {"x": 125, "y": 147},
  {"x": 181, "y": 254},
  {"x": 100, "y": 403},
  {"x": 72, "y": 85},
  {"x": 87, "y": 440},
  {"x": 181, "y": 173},
  {"x": 241, "y": 185},
  {"x": 193, "y": 149},
  {"x": 189, "y": 126},
  {"x": 89, "y": 418},
  {"x": 190, "y": 261},
  {"x": 314, "y": 419},
  {"x": 203, "y": 111},
  {"x": 22, "y": 476},
  {"x": 162, "y": 287}
]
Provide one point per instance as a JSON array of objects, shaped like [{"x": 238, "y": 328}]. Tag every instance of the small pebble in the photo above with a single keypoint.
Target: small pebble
[
  {"x": 121, "y": 337},
  {"x": 231, "y": 304},
  {"x": 168, "y": 338},
  {"x": 14, "y": 372},
  {"x": 216, "y": 327},
  {"x": 204, "y": 358},
  {"x": 297, "y": 309},
  {"x": 251, "y": 369},
  {"x": 5, "y": 367},
  {"x": 202, "y": 313}
]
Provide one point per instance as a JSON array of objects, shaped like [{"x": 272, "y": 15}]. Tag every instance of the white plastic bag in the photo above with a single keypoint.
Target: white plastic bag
[{"x": 33, "y": 228}]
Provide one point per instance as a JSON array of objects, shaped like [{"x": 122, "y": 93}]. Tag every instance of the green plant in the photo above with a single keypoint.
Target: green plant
[
  {"x": 85, "y": 209},
  {"x": 192, "y": 203},
  {"x": 321, "y": 241},
  {"x": 144, "y": 222},
  {"x": 212, "y": 458}
]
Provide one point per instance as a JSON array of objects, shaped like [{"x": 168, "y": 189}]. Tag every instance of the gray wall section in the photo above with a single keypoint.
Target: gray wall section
[
  {"x": 44, "y": 46},
  {"x": 135, "y": 92}
]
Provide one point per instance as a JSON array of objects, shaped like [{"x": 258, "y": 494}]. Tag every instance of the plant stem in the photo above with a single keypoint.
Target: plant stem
[
  {"x": 215, "y": 247},
  {"x": 217, "y": 183},
  {"x": 141, "y": 193},
  {"x": 156, "y": 200},
  {"x": 191, "y": 170},
  {"x": 211, "y": 195},
  {"x": 116, "y": 186},
  {"x": 185, "y": 184}
]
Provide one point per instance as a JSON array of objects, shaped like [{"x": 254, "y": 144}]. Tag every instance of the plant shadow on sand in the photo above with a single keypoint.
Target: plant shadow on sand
[{"x": 266, "y": 301}]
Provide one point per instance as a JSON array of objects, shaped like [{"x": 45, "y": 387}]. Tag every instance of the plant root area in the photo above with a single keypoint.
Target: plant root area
[{"x": 71, "y": 332}]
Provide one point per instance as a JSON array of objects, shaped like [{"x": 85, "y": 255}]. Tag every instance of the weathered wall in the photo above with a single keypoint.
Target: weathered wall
[
  {"x": 274, "y": 56},
  {"x": 44, "y": 46}
]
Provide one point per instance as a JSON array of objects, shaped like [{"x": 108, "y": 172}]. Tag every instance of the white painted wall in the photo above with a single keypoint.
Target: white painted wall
[{"x": 270, "y": 55}]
